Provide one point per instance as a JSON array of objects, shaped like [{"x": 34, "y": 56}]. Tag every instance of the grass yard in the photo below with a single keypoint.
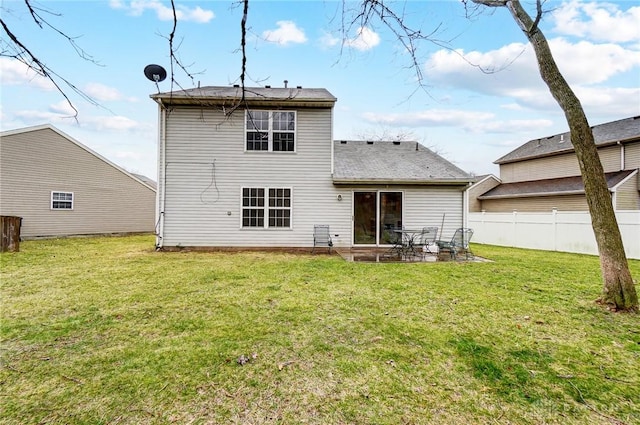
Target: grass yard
[{"x": 108, "y": 331}]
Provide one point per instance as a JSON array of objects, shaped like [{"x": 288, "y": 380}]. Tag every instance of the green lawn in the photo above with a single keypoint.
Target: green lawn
[{"x": 108, "y": 331}]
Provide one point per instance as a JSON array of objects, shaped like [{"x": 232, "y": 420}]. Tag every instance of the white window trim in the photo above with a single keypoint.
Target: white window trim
[
  {"x": 270, "y": 132},
  {"x": 266, "y": 208},
  {"x": 73, "y": 196}
]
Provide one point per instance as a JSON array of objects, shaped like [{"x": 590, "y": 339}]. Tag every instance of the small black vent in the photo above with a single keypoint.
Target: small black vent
[
  {"x": 343, "y": 142},
  {"x": 369, "y": 143},
  {"x": 396, "y": 143}
]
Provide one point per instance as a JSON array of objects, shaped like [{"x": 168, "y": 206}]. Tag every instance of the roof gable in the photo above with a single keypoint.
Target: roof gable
[
  {"x": 608, "y": 133},
  {"x": 392, "y": 163},
  {"x": 49, "y": 127}
]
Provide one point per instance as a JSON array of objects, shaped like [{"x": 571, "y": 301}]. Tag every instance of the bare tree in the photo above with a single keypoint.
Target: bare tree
[
  {"x": 12, "y": 47},
  {"x": 618, "y": 292}
]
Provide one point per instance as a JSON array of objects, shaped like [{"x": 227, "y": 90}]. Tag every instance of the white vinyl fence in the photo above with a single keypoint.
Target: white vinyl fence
[{"x": 552, "y": 231}]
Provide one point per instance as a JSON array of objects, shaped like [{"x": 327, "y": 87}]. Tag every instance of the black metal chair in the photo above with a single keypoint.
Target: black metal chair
[
  {"x": 459, "y": 243},
  {"x": 321, "y": 237}
]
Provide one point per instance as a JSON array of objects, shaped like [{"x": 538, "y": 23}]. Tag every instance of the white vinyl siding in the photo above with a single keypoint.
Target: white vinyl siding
[
  {"x": 207, "y": 167},
  {"x": 425, "y": 206},
  {"x": 106, "y": 199},
  {"x": 434, "y": 206}
]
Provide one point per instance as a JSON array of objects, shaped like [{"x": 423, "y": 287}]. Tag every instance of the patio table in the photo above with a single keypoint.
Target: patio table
[{"x": 406, "y": 242}]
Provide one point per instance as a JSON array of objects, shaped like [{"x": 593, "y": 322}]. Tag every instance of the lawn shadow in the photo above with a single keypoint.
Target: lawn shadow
[{"x": 510, "y": 374}]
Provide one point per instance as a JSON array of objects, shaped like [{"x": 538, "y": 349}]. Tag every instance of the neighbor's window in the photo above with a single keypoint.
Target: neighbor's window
[
  {"x": 61, "y": 200},
  {"x": 273, "y": 203},
  {"x": 271, "y": 131}
]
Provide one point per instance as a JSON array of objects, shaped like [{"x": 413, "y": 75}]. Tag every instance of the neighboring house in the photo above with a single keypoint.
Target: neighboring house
[
  {"x": 543, "y": 174},
  {"x": 260, "y": 169},
  {"x": 62, "y": 188}
]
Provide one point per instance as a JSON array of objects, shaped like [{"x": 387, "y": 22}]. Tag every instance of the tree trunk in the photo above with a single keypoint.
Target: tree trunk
[{"x": 619, "y": 292}]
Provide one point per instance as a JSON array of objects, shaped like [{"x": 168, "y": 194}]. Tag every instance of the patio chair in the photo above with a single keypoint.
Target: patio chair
[
  {"x": 427, "y": 238},
  {"x": 321, "y": 237},
  {"x": 459, "y": 244}
]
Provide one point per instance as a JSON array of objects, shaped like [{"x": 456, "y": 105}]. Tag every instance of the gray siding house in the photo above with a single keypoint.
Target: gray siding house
[
  {"x": 259, "y": 168},
  {"x": 543, "y": 174},
  {"x": 61, "y": 188}
]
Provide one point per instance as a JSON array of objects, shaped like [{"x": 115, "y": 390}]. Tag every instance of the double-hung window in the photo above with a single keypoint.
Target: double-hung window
[
  {"x": 270, "y": 131},
  {"x": 266, "y": 207},
  {"x": 61, "y": 200}
]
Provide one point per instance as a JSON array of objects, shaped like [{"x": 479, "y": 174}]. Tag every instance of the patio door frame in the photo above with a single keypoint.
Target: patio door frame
[{"x": 378, "y": 215}]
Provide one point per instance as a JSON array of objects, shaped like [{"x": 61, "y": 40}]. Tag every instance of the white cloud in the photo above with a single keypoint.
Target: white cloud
[
  {"x": 365, "y": 39},
  {"x": 508, "y": 126},
  {"x": 470, "y": 121},
  {"x": 584, "y": 65},
  {"x": 103, "y": 93},
  {"x": 588, "y": 63},
  {"x": 432, "y": 117},
  {"x": 163, "y": 12},
  {"x": 287, "y": 32},
  {"x": 328, "y": 40},
  {"x": 15, "y": 73},
  {"x": 597, "y": 21},
  {"x": 62, "y": 113},
  {"x": 62, "y": 108}
]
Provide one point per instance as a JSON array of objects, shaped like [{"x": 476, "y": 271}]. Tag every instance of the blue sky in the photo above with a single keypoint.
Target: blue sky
[{"x": 469, "y": 116}]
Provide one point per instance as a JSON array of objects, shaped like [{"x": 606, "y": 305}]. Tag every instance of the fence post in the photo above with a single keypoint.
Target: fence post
[
  {"x": 554, "y": 218},
  {"x": 514, "y": 228},
  {"x": 10, "y": 233}
]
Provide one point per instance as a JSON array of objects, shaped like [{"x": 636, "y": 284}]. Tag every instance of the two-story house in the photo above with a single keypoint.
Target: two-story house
[
  {"x": 259, "y": 168},
  {"x": 543, "y": 174}
]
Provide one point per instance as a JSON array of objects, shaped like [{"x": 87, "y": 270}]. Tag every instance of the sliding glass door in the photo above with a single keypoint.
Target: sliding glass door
[{"x": 375, "y": 214}]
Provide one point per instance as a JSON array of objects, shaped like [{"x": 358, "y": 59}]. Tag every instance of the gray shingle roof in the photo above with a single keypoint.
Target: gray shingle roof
[
  {"x": 393, "y": 163},
  {"x": 559, "y": 186},
  {"x": 146, "y": 179},
  {"x": 607, "y": 133},
  {"x": 297, "y": 96}
]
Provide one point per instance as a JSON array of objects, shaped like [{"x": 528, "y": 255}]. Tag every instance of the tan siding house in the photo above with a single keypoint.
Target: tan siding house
[
  {"x": 60, "y": 187},
  {"x": 544, "y": 173},
  {"x": 259, "y": 168}
]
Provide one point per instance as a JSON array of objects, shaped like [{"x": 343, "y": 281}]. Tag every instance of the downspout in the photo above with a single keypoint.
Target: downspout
[
  {"x": 162, "y": 174},
  {"x": 465, "y": 206}
]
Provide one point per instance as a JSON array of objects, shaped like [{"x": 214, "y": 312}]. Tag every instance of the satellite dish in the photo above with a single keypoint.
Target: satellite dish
[{"x": 155, "y": 73}]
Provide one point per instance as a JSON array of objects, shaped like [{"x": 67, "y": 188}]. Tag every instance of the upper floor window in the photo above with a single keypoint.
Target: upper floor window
[
  {"x": 61, "y": 200},
  {"x": 266, "y": 207},
  {"x": 271, "y": 131}
]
